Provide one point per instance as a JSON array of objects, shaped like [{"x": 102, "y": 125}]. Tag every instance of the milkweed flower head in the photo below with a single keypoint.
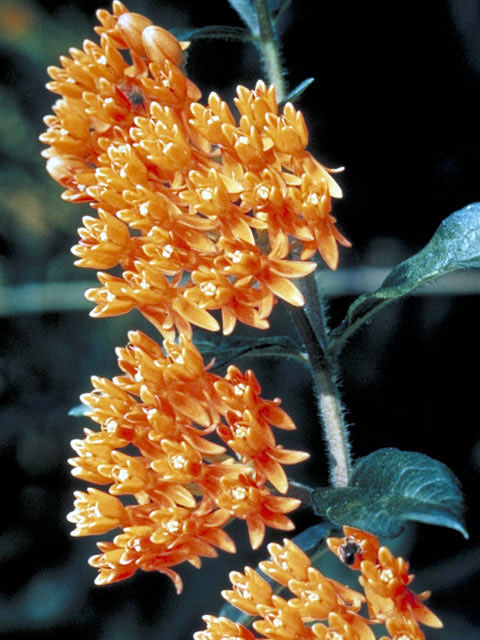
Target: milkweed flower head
[
  {"x": 204, "y": 453},
  {"x": 200, "y": 210},
  {"x": 322, "y": 608}
]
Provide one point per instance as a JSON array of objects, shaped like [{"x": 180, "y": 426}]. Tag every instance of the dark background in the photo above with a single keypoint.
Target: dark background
[{"x": 396, "y": 100}]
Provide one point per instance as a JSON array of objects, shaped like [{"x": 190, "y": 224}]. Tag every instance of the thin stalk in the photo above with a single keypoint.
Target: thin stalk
[
  {"x": 301, "y": 491},
  {"x": 269, "y": 48},
  {"x": 325, "y": 373}
]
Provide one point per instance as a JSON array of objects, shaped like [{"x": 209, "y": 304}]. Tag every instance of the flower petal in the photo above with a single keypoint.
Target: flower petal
[{"x": 283, "y": 288}]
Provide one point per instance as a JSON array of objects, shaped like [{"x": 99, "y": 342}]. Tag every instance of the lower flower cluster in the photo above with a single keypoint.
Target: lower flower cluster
[
  {"x": 321, "y": 608},
  {"x": 179, "y": 418}
]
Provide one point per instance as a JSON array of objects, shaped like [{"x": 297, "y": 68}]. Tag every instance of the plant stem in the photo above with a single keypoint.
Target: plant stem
[
  {"x": 325, "y": 373},
  {"x": 331, "y": 411},
  {"x": 315, "y": 336},
  {"x": 268, "y": 45}
]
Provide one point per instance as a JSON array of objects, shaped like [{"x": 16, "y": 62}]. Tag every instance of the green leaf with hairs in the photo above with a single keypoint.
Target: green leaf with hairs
[
  {"x": 455, "y": 245},
  {"x": 390, "y": 487}
]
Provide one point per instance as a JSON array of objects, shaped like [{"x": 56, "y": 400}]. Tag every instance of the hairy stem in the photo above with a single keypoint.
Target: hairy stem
[
  {"x": 268, "y": 45},
  {"x": 324, "y": 367}
]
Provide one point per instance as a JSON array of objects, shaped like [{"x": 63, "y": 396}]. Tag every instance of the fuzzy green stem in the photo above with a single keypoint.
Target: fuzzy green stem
[
  {"x": 268, "y": 45},
  {"x": 325, "y": 372}
]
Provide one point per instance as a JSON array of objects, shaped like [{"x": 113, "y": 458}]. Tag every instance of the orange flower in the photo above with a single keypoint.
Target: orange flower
[
  {"x": 357, "y": 546},
  {"x": 157, "y": 539},
  {"x": 343, "y": 626},
  {"x": 223, "y": 628},
  {"x": 248, "y": 500},
  {"x": 385, "y": 584},
  {"x": 167, "y": 405},
  {"x": 384, "y": 579},
  {"x": 316, "y": 598},
  {"x": 248, "y": 432},
  {"x": 403, "y": 629},
  {"x": 97, "y": 512},
  {"x": 286, "y": 562},
  {"x": 281, "y": 622},
  {"x": 200, "y": 211},
  {"x": 249, "y": 591}
]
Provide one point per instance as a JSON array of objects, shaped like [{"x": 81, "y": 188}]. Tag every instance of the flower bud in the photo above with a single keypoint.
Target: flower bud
[
  {"x": 131, "y": 26},
  {"x": 160, "y": 44},
  {"x": 63, "y": 168}
]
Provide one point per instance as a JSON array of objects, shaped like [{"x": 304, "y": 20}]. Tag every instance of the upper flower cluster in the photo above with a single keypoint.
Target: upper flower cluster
[
  {"x": 167, "y": 405},
  {"x": 202, "y": 212},
  {"x": 323, "y": 609}
]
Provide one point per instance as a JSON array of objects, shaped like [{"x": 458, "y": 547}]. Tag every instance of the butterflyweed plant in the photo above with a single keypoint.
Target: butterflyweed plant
[{"x": 207, "y": 216}]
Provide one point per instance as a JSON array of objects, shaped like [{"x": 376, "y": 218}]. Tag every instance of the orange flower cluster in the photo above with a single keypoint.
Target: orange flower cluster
[
  {"x": 199, "y": 211},
  {"x": 385, "y": 580},
  {"x": 185, "y": 488},
  {"x": 317, "y": 598}
]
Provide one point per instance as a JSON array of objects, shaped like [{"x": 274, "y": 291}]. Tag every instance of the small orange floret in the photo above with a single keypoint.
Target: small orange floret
[{"x": 356, "y": 546}]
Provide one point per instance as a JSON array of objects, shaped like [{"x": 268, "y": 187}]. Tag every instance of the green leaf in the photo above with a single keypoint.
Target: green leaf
[
  {"x": 226, "y": 351},
  {"x": 278, "y": 8},
  {"x": 247, "y": 13},
  {"x": 275, "y": 6},
  {"x": 298, "y": 91},
  {"x": 311, "y": 538},
  {"x": 388, "y": 488},
  {"x": 455, "y": 245},
  {"x": 223, "y": 32},
  {"x": 78, "y": 411}
]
